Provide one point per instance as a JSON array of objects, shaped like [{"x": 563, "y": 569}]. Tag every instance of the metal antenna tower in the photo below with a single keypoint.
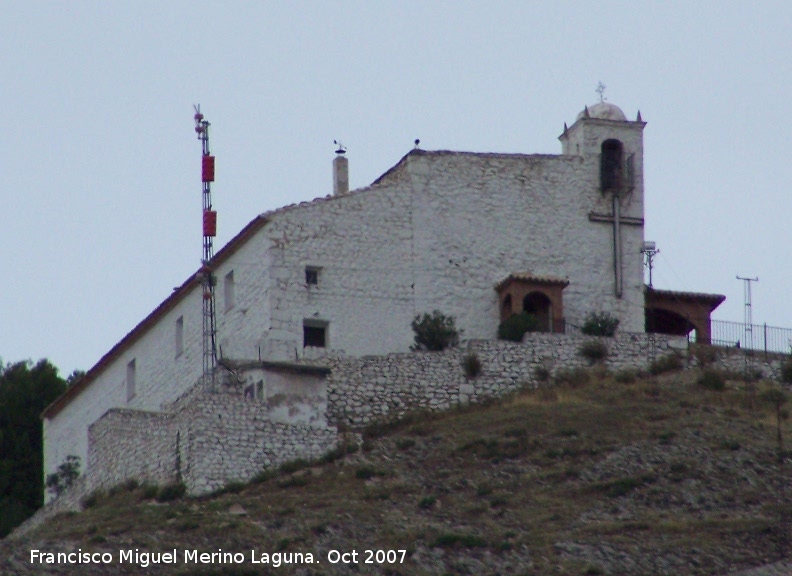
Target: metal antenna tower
[
  {"x": 748, "y": 321},
  {"x": 208, "y": 280}
]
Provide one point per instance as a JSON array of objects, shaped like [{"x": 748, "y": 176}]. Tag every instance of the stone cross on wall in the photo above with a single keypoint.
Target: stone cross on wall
[{"x": 617, "y": 220}]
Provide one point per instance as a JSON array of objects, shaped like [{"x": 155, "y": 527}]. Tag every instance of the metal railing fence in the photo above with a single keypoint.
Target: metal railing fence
[{"x": 759, "y": 337}]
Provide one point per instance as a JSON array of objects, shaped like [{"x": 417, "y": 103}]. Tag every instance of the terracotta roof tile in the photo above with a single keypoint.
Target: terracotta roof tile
[{"x": 536, "y": 279}]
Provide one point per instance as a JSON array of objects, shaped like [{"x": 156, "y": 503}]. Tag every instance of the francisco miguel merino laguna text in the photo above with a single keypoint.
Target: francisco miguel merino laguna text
[{"x": 145, "y": 559}]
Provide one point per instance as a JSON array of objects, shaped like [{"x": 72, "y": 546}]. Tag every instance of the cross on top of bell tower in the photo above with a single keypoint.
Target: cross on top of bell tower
[{"x": 601, "y": 91}]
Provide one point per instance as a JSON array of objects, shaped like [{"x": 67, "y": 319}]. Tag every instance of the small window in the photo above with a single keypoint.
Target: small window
[
  {"x": 228, "y": 291},
  {"x": 179, "y": 337},
  {"x": 131, "y": 380},
  {"x": 312, "y": 276},
  {"x": 314, "y": 334},
  {"x": 255, "y": 391}
]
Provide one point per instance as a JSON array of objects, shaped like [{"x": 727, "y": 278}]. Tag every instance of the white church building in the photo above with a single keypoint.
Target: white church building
[{"x": 478, "y": 236}]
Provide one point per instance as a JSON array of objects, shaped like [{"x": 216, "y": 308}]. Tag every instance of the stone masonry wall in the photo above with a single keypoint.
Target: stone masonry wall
[
  {"x": 361, "y": 390},
  {"x": 146, "y": 453},
  {"x": 227, "y": 438}
]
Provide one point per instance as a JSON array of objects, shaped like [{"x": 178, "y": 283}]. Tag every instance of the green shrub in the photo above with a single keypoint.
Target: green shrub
[
  {"x": 573, "y": 376},
  {"x": 667, "y": 363},
  {"x": 93, "y": 499},
  {"x": 541, "y": 374},
  {"x": 626, "y": 376},
  {"x": 593, "y": 351},
  {"x": 472, "y": 365},
  {"x": 149, "y": 491},
  {"x": 343, "y": 448},
  {"x": 786, "y": 371},
  {"x": 171, "y": 492},
  {"x": 452, "y": 539},
  {"x": 704, "y": 354},
  {"x": 427, "y": 502},
  {"x": 774, "y": 397},
  {"x": 295, "y": 481},
  {"x": 600, "y": 324},
  {"x": 67, "y": 473},
  {"x": 621, "y": 486},
  {"x": 365, "y": 472},
  {"x": 294, "y": 465},
  {"x": 405, "y": 443},
  {"x": 434, "y": 332},
  {"x": 711, "y": 380},
  {"x": 516, "y": 325},
  {"x": 230, "y": 488},
  {"x": 752, "y": 374}
]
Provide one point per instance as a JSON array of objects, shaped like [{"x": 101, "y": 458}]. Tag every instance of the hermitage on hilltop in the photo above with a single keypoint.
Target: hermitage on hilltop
[{"x": 478, "y": 236}]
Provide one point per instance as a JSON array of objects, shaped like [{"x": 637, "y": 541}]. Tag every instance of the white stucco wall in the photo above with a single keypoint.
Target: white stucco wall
[{"x": 441, "y": 230}]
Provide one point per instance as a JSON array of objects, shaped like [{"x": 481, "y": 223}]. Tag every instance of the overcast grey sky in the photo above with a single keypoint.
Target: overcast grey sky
[{"x": 100, "y": 166}]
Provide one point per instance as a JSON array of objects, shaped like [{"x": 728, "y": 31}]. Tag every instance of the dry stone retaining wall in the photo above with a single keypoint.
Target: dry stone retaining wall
[{"x": 361, "y": 390}]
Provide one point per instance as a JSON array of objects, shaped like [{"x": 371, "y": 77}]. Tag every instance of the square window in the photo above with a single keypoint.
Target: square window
[
  {"x": 315, "y": 335},
  {"x": 312, "y": 276}
]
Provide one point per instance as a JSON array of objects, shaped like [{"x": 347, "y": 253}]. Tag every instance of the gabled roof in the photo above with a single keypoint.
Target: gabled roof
[
  {"x": 532, "y": 278},
  {"x": 151, "y": 320},
  {"x": 394, "y": 172},
  {"x": 712, "y": 301}
]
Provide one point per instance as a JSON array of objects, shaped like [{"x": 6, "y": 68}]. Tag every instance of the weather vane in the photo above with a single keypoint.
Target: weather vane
[{"x": 601, "y": 90}]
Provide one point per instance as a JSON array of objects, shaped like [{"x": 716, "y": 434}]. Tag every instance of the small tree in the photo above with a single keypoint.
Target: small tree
[
  {"x": 67, "y": 473},
  {"x": 434, "y": 332},
  {"x": 600, "y": 324}
]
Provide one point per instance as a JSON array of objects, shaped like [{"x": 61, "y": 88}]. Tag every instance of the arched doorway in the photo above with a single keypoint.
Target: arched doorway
[{"x": 539, "y": 305}]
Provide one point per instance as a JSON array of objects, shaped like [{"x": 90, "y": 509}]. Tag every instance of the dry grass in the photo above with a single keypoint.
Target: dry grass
[{"x": 650, "y": 465}]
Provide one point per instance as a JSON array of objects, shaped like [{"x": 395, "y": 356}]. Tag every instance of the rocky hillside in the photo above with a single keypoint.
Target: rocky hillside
[{"x": 664, "y": 475}]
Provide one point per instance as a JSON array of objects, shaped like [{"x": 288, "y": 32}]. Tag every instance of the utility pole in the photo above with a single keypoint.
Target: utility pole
[{"x": 748, "y": 319}]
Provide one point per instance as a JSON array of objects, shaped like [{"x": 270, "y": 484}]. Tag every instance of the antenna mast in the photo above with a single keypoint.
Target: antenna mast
[
  {"x": 649, "y": 250},
  {"x": 208, "y": 280},
  {"x": 748, "y": 320}
]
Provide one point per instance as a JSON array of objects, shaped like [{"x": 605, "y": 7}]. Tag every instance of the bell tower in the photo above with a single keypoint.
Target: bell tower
[{"x": 611, "y": 147}]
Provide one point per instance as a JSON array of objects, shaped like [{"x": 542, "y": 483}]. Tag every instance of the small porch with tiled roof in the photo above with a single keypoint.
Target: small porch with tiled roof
[
  {"x": 680, "y": 313},
  {"x": 540, "y": 296}
]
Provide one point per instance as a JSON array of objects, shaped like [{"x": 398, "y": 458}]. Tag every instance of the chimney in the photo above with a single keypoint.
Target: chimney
[{"x": 340, "y": 173}]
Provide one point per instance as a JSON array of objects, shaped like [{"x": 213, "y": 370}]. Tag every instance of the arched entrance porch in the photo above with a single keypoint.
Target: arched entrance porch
[
  {"x": 680, "y": 313},
  {"x": 537, "y": 295}
]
